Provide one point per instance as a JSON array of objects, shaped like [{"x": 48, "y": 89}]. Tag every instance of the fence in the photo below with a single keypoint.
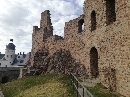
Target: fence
[{"x": 80, "y": 89}]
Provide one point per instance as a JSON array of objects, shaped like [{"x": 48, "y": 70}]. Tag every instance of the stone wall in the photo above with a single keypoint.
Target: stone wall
[
  {"x": 111, "y": 41},
  {"x": 110, "y": 38},
  {"x": 11, "y": 74},
  {"x": 40, "y": 35},
  {"x": 61, "y": 62}
]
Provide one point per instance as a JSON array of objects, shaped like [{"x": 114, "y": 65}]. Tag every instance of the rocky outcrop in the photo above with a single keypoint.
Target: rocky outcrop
[{"x": 60, "y": 62}]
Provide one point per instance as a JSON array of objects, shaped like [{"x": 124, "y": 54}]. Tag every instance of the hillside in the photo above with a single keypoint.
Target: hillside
[{"x": 52, "y": 85}]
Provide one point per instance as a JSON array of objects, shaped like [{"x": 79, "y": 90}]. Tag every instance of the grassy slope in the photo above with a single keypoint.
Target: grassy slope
[
  {"x": 100, "y": 91},
  {"x": 39, "y": 86}
]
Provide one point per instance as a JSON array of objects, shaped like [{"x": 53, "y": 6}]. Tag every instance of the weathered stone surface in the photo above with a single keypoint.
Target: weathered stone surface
[
  {"x": 110, "y": 77},
  {"x": 61, "y": 62},
  {"x": 109, "y": 34},
  {"x": 10, "y": 73}
]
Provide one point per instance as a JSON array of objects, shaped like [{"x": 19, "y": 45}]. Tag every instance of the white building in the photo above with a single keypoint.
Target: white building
[{"x": 10, "y": 59}]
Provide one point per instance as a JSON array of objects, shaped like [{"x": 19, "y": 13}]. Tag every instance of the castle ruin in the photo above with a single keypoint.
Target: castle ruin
[{"x": 102, "y": 45}]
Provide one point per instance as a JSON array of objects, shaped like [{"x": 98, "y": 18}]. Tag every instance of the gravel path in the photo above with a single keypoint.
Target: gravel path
[
  {"x": 1, "y": 94},
  {"x": 90, "y": 82}
]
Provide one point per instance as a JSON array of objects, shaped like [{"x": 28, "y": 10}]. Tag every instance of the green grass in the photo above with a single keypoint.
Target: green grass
[
  {"x": 100, "y": 91},
  {"x": 51, "y": 85}
]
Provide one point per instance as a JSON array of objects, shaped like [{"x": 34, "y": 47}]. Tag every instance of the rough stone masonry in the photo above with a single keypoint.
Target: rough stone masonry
[{"x": 102, "y": 45}]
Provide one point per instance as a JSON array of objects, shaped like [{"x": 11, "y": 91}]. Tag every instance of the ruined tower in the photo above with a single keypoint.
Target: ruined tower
[
  {"x": 40, "y": 35},
  {"x": 45, "y": 26},
  {"x": 99, "y": 39}
]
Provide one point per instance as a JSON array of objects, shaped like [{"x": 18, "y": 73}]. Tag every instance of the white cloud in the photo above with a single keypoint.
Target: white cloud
[
  {"x": 80, "y": 2},
  {"x": 17, "y": 18},
  {"x": 61, "y": 23}
]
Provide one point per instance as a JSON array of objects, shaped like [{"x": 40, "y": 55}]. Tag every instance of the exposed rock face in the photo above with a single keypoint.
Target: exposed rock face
[{"x": 60, "y": 62}]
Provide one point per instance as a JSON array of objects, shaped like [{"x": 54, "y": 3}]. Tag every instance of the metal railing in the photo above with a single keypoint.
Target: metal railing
[{"x": 77, "y": 85}]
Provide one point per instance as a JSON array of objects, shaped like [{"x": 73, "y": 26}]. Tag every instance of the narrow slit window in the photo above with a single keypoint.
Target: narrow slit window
[
  {"x": 45, "y": 34},
  {"x": 110, "y": 12},
  {"x": 93, "y": 20}
]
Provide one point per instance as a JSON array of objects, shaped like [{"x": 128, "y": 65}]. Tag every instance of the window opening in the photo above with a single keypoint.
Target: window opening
[
  {"x": 5, "y": 79},
  {"x": 81, "y": 25},
  {"x": 110, "y": 12},
  {"x": 93, "y": 20},
  {"x": 94, "y": 62}
]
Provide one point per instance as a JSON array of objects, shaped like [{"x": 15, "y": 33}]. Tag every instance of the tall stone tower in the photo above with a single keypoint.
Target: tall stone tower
[
  {"x": 46, "y": 24},
  {"x": 45, "y": 19},
  {"x": 40, "y": 35},
  {"x": 46, "y": 27}
]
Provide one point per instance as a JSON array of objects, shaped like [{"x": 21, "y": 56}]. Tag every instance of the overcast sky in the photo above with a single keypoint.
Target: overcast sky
[{"x": 17, "y": 18}]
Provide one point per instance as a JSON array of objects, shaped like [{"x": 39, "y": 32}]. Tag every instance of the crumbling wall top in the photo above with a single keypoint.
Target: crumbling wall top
[
  {"x": 75, "y": 26},
  {"x": 45, "y": 19}
]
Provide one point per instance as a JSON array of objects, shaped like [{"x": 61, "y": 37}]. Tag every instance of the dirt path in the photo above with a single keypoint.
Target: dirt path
[
  {"x": 90, "y": 82},
  {"x": 81, "y": 91},
  {"x": 1, "y": 94}
]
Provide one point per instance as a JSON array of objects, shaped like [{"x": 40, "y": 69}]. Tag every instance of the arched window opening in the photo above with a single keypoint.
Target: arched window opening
[
  {"x": 81, "y": 26},
  {"x": 94, "y": 62},
  {"x": 93, "y": 20},
  {"x": 110, "y": 12},
  {"x": 5, "y": 79}
]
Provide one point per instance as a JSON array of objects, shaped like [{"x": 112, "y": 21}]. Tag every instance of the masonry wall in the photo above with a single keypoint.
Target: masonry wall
[
  {"x": 112, "y": 42},
  {"x": 13, "y": 75},
  {"x": 39, "y": 35}
]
